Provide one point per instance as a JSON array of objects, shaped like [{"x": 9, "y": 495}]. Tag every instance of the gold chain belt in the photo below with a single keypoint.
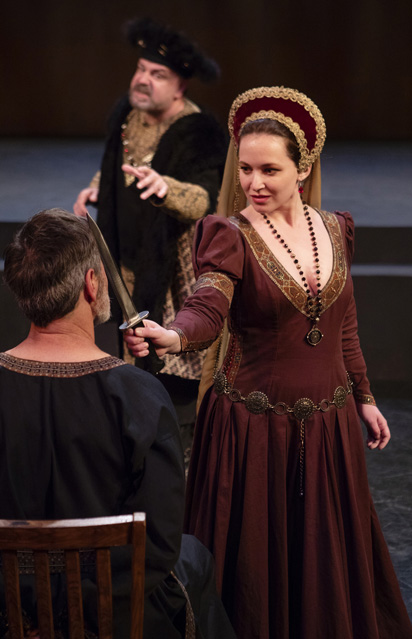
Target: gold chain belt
[{"x": 257, "y": 403}]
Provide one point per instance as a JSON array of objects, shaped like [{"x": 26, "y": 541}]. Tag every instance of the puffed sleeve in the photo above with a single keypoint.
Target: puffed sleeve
[
  {"x": 218, "y": 257},
  {"x": 352, "y": 353}
]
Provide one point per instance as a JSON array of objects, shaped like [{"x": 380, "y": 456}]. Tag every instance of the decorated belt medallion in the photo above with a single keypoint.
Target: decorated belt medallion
[
  {"x": 258, "y": 403},
  {"x": 220, "y": 383},
  {"x": 303, "y": 408},
  {"x": 339, "y": 397}
]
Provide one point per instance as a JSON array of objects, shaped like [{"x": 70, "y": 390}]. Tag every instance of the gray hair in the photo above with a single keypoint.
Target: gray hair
[{"x": 46, "y": 263}]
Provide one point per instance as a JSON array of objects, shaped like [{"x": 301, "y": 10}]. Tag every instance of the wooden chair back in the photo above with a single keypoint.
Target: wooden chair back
[{"x": 71, "y": 537}]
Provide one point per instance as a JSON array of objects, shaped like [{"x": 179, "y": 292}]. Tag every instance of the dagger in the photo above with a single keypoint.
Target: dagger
[{"x": 132, "y": 317}]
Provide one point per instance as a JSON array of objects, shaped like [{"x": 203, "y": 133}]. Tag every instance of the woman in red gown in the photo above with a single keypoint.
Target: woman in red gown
[{"x": 277, "y": 486}]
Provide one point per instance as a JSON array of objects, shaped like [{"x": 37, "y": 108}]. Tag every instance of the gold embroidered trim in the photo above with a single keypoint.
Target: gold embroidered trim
[
  {"x": 95, "y": 181},
  {"x": 307, "y": 157},
  {"x": 233, "y": 355},
  {"x": 365, "y": 399},
  {"x": 190, "y": 630},
  {"x": 187, "y": 346},
  {"x": 219, "y": 281},
  {"x": 58, "y": 369},
  {"x": 140, "y": 140},
  {"x": 283, "y": 279},
  {"x": 185, "y": 201},
  {"x": 188, "y": 365}
]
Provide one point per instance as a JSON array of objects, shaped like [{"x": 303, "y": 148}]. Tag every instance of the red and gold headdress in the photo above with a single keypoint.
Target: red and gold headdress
[
  {"x": 299, "y": 114},
  {"x": 288, "y": 106}
]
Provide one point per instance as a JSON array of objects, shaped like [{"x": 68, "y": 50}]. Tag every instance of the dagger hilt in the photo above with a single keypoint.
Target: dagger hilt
[{"x": 155, "y": 364}]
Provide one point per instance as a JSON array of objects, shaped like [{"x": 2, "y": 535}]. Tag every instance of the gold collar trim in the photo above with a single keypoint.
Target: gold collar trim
[
  {"x": 283, "y": 279},
  {"x": 58, "y": 369}
]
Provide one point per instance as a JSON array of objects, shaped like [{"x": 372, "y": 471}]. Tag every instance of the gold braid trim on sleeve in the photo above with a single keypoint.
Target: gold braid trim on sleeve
[
  {"x": 185, "y": 201},
  {"x": 187, "y": 346},
  {"x": 190, "y": 632},
  {"x": 95, "y": 182},
  {"x": 365, "y": 399},
  {"x": 219, "y": 281}
]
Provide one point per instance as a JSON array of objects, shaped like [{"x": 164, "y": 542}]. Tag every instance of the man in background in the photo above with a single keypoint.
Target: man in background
[{"x": 161, "y": 171}]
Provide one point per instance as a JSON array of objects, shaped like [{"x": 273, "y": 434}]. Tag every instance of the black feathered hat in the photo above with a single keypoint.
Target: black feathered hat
[{"x": 163, "y": 45}]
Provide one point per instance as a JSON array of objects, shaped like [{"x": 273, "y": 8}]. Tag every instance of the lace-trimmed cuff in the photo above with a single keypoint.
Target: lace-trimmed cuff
[
  {"x": 186, "y": 346},
  {"x": 365, "y": 399},
  {"x": 219, "y": 281}
]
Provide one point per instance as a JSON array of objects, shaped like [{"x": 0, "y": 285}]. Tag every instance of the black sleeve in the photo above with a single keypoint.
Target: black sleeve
[
  {"x": 194, "y": 150},
  {"x": 157, "y": 474}
]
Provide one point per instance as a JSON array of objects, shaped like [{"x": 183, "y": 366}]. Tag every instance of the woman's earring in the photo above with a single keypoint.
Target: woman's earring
[{"x": 300, "y": 185}]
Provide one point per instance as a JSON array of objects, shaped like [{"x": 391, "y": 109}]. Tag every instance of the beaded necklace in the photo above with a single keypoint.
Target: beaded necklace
[{"x": 313, "y": 302}]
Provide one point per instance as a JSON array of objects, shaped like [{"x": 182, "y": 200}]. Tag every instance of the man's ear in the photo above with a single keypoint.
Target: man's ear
[
  {"x": 91, "y": 285},
  {"x": 182, "y": 89}
]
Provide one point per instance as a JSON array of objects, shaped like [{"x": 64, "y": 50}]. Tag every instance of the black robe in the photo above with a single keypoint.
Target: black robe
[
  {"x": 96, "y": 439},
  {"x": 143, "y": 236}
]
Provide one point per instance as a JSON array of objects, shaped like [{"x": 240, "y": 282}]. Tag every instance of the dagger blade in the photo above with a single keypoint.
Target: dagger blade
[
  {"x": 133, "y": 318},
  {"x": 119, "y": 287}
]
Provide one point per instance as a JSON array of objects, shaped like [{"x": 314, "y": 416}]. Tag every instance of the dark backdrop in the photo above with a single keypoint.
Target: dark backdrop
[{"x": 64, "y": 62}]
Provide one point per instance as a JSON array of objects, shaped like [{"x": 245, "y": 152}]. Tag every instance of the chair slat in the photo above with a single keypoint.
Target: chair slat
[
  {"x": 43, "y": 591},
  {"x": 12, "y": 593},
  {"x": 104, "y": 593},
  {"x": 48, "y": 540},
  {"x": 138, "y": 567},
  {"x": 74, "y": 594}
]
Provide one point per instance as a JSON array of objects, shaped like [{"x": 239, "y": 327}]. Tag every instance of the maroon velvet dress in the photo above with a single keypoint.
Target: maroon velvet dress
[{"x": 277, "y": 487}]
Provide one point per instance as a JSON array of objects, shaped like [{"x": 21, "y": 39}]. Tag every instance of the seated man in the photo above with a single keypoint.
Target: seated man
[{"x": 82, "y": 434}]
